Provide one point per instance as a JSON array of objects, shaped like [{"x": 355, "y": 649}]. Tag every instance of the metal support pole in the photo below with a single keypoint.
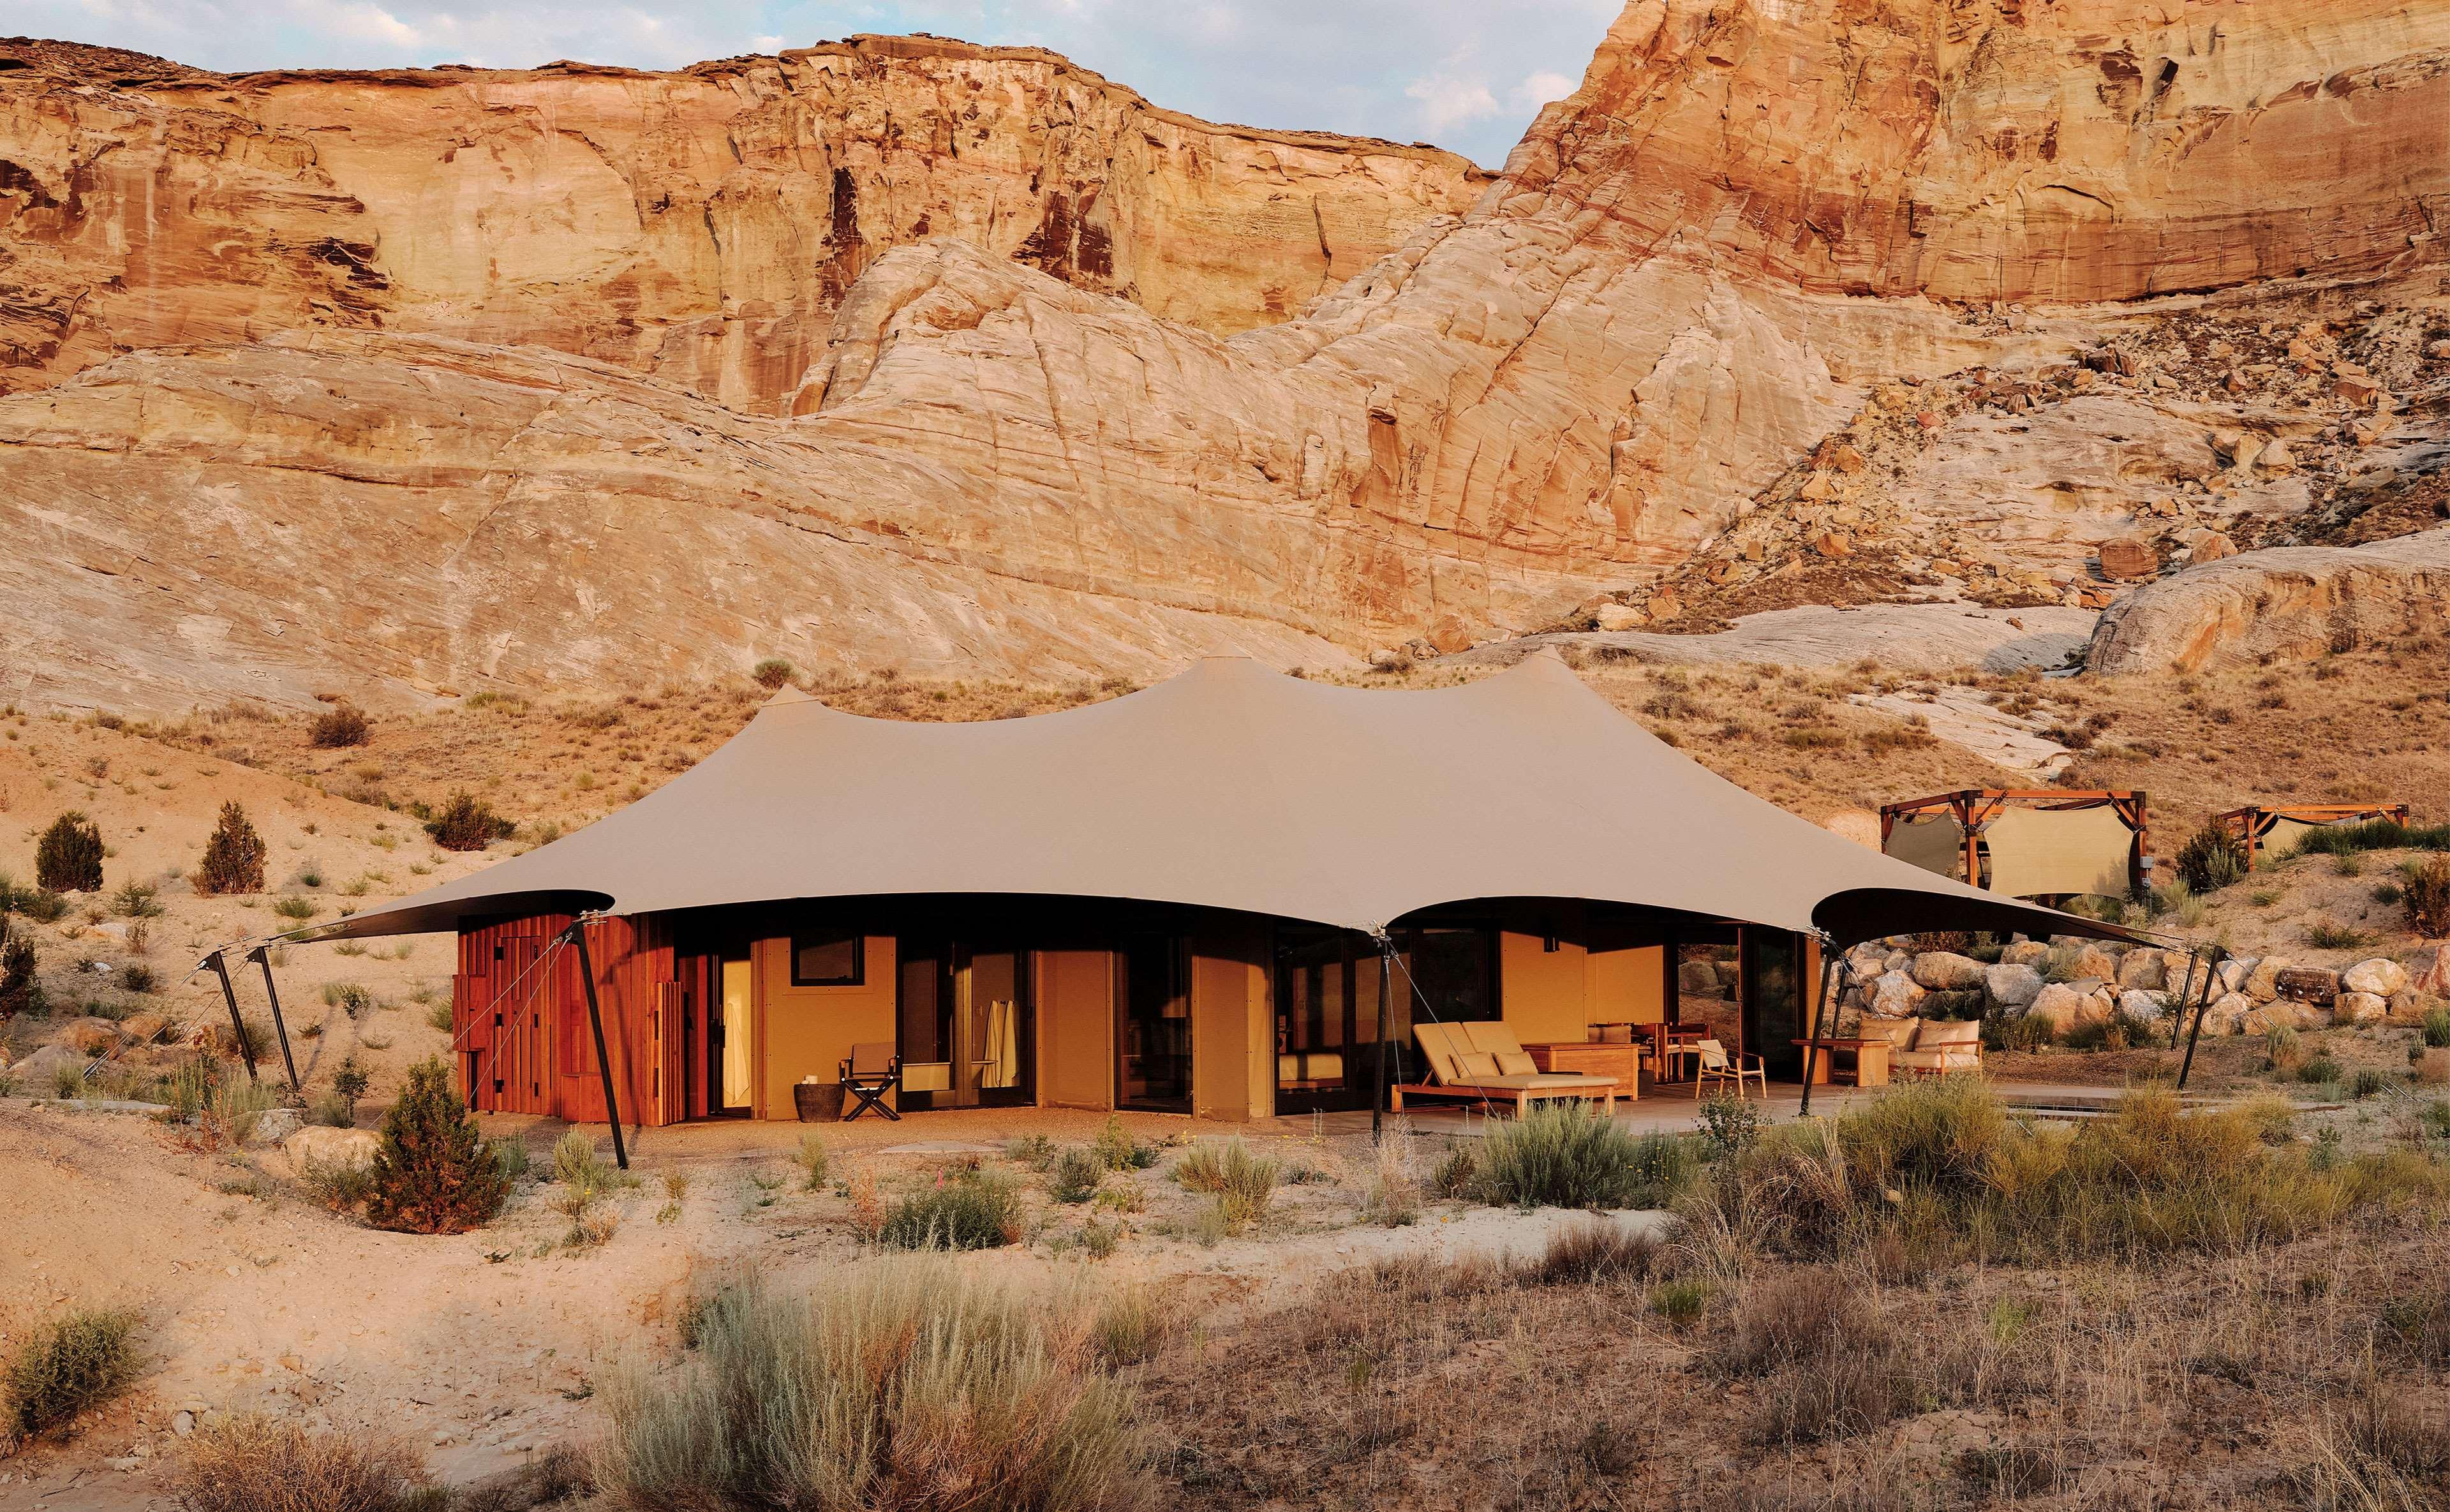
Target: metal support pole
[
  {"x": 272, "y": 994},
  {"x": 1833, "y": 961},
  {"x": 577, "y": 935},
  {"x": 237, "y": 1025},
  {"x": 2211, "y": 964},
  {"x": 1386, "y": 974}
]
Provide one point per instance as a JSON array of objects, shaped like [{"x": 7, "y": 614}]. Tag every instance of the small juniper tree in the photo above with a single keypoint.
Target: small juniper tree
[
  {"x": 467, "y": 823},
  {"x": 69, "y": 857},
  {"x": 432, "y": 1174},
  {"x": 772, "y": 673},
  {"x": 338, "y": 726},
  {"x": 21, "y": 991},
  {"x": 350, "y": 1081},
  {"x": 234, "y": 857}
]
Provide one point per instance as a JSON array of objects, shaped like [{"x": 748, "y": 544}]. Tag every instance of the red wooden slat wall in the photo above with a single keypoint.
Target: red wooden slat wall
[{"x": 521, "y": 1037}]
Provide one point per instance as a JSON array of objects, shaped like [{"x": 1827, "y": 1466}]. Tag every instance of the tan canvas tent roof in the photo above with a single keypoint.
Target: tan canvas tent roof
[{"x": 1228, "y": 786}]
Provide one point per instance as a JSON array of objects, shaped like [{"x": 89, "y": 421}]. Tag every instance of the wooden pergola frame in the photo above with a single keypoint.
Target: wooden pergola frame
[
  {"x": 1973, "y": 808},
  {"x": 2250, "y": 823}
]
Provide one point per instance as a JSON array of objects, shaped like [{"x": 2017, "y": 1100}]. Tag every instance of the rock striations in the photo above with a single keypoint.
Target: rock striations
[{"x": 871, "y": 364}]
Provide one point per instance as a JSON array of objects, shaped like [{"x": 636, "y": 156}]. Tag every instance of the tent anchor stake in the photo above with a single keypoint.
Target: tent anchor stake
[
  {"x": 577, "y": 935},
  {"x": 2203, "y": 1005},
  {"x": 262, "y": 958},
  {"x": 237, "y": 1025}
]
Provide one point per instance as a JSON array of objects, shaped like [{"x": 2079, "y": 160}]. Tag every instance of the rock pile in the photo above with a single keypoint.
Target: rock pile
[{"x": 2067, "y": 984}]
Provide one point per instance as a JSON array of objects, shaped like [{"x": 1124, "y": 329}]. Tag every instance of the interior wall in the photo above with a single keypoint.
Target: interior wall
[
  {"x": 809, "y": 1031},
  {"x": 1075, "y": 1028},
  {"x": 1232, "y": 1063},
  {"x": 1543, "y": 993},
  {"x": 1626, "y": 986}
]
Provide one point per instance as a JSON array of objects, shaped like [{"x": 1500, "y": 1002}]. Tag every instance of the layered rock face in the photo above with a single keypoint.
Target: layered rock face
[
  {"x": 2288, "y": 602},
  {"x": 700, "y": 225},
  {"x": 1751, "y": 226}
]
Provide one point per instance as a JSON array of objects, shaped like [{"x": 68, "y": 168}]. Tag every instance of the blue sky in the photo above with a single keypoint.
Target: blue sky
[{"x": 1466, "y": 74}]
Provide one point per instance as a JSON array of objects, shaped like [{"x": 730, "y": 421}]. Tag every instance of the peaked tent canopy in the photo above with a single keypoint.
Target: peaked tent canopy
[{"x": 1228, "y": 786}]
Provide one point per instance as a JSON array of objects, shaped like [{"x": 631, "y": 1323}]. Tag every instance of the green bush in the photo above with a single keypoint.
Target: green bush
[
  {"x": 1729, "y": 1125},
  {"x": 432, "y": 1174},
  {"x": 2211, "y": 859},
  {"x": 1558, "y": 1155},
  {"x": 2436, "y": 1028},
  {"x": 814, "y": 1159},
  {"x": 75, "y": 1362},
  {"x": 134, "y": 899},
  {"x": 349, "y": 997},
  {"x": 21, "y": 989},
  {"x": 40, "y": 904},
  {"x": 69, "y": 857},
  {"x": 1074, "y": 1174},
  {"x": 971, "y": 1209},
  {"x": 2368, "y": 1082},
  {"x": 1119, "y": 1150},
  {"x": 2320, "y": 1069},
  {"x": 233, "y": 856},
  {"x": 1243, "y": 1183},
  {"x": 294, "y": 905},
  {"x": 467, "y": 823},
  {"x": 2380, "y": 834},
  {"x": 771, "y": 672},
  {"x": 904, "y": 1386},
  {"x": 1457, "y": 1172},
  {"x": 337, "y": 726},
  {"x": 2427, "y": 897}
]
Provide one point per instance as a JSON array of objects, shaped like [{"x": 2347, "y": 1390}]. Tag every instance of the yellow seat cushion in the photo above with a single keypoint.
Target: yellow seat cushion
[
  {"x": 1516, "y": 1063},
  {"x": 1475, "y": 1066},
  {"x": 1491, "y": 1037}
]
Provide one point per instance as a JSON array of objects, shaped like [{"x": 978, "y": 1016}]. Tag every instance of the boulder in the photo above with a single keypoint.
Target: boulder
[
  {"x": 2136, "y": 1003},
  {"x": 329, "y": 1148},
  {"x": 145, "y": 1028},
  {"x": 2148, "y": 970},
  {"x": 1946, "y": 971},
  {"x": 2234, "y": 971},
  {"x": 2012, "y": 986},
  {"x": 274, "y": 1125},
  {"x": 2287, "y": 603},
  {"x": 2428, "y": 970},
  {"x": 2025, "y": 952},
  {"x": 2094, "y": 961},
  {"x": 2409, "y": 1008},
  {"x": 2060, "y": 1006},
  {"x": 2130, "y": 559},
  {"x": 2359, "y": 1009},
  {"x": 1699, "y": 978},
  {"x": 2227, "y": 1013},
  {"x": 2378, "y": 977},
  {"x": 2263, "y": 982},
  {"x": 90, "y": 1037},
  {"x": 1895, "y": 995},
  {"x": 2208, "y": 546},
  {"x": 1619, "y": 617}
]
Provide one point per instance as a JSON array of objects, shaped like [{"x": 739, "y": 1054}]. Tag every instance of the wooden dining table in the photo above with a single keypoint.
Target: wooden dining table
[{"x": 1671, "y": 1043}]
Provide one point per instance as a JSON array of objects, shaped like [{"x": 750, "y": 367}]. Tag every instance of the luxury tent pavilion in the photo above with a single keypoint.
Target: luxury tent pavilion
[{"x": 1182, "y": 899}]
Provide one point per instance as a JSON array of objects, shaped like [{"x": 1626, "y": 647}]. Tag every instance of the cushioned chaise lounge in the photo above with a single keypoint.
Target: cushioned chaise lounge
[{"x": 1483, "y": 1063}]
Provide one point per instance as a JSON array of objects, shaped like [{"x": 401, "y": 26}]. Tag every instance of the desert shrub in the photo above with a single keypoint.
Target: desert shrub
[
  {"x": 2367, "y": 1082},
  {"x": 2380, "y": 834},
  {"x": 69, "y": 857},
  {"x": 2319, "y": 1070},
  {"x": 40, "y": 904},
  {"x": 2324, "y": 934},
  {"x": 1033, "y": 1151},
  {"x": 1074, "y": 1174},
  {"x": 1665, "y": 1165},
  {"x": 337, "y": 726},
  {"x": 2426, "y": 893},
  {"x": 333, "y": 1112},
  {"x": 771, "y": 672},
  {"x": 1729, "y": 1125},
  {"x": 1119, "y": 1150},
  {"x": 2211, "y": 859},
  {"x": 1458, "y": 1171},
  {"x": 349, "y": 997},
  {"x": 576, "y": 1164},
  {"x": 134, "y": 899},
  {"x": 21, "y": 988},
  {"x": 2283, "y": 1046},
  {"x": 137, "y": 976},
  {"x": 432, "y": 1174},
  {"x": 970, "y": 1210},
  {"x": 294, "y": 905},
  {"x": 256, "y": 1463},
  {"x": 349, "y": 1083},
  {"x": 2436, "y": 1028},
  {"x": 1558, "y": 1156},
  {"x": 814, "y": 1159},
  {"x": 903, "y": 1385},
  {"x": 467, "y": 823},
  {"x": 216, "y": 1099},
  {"x": 438, "y": 1015},
  {"x": 72, "y": 1363},
  {"x": 1939, "y": 1164},
  {"x": 1243, "y": 1183},
  {"x": 1827, "y": 1364},
  {"x": 233, "y": 860},
  {"x": 1591, "y": 1250}
]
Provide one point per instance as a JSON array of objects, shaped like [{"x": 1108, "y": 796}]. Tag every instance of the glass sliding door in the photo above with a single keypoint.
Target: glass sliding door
[
  {"x": 968, "y": 1028},
  {"x": 1327, "y": 1019},
  {"x": 729, "y": 1060},
  {"x": 1153, "y": 1027}
]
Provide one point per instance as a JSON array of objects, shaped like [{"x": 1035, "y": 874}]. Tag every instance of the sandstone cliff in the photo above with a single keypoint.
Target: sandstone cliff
[
  {"x": 700, "y": 225},
  {"x": 2288, "y": 602},
  {"x": 1717, "y": 288}
]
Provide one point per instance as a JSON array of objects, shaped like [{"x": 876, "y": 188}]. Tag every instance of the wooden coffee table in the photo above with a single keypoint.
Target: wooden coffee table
[{"x": 1871, "y": 1059}]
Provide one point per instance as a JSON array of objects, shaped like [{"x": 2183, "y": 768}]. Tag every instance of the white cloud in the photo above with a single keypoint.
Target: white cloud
[
  {"x": 1447, "y": 102},
  {"x": 1539, "y": 88}
]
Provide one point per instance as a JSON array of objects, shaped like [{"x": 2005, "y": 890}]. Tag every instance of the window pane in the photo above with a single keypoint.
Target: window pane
[{"x": 824, "y": 960}]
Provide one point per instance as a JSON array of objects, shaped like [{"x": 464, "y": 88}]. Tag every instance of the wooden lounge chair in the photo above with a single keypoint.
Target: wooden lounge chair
[
  {"x": 1717, "y": 1065},
  {"x": 1941, "y": 1045},
  {"x": 872, "y": 1070},
  {"x": 1483, "y": 1063}
]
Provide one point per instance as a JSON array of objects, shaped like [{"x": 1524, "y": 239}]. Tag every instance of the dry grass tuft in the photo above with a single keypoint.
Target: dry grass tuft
[{"x": 260, "y": 1464}]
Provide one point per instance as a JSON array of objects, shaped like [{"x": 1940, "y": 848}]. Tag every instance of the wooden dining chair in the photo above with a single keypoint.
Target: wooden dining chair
[{"x": 1717, "y": 1065}]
